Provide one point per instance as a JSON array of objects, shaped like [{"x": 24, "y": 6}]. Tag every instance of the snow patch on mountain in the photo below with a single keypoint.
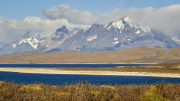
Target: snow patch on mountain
[
  {"x": 90, "y": 38},
  {"x": 136, "y": 25},
  {"x": 176, "y": 39},
  {"x": 114, "y": 43},
  {"x": 115, "y": 38},
  {"x": 13, "y": 45},
  {"x": 129, "y": 39},
  {"x": 125, "y": 35},
  {"x": 105, "y": 25},
  {"x": 22, "y": 41},
  {"x": 33, "y": 40},
  {"x": 131, "y": 23},
  {"x": 145, "y": 28},
  {"x": 118, "y": 24},
  {"x": 152, "y": 35},
  {"x": 137, "y": 32},
  {"x": 86, "y": 29}
]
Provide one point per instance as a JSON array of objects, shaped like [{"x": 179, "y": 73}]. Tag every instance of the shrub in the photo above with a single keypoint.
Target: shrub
[
  {"x": 153, "y": 97},
  {"x": 87, "y": 92},
  {"x": 27, "y": 88}
]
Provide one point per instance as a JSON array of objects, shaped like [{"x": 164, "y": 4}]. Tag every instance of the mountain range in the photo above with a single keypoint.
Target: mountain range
[
  {"x": 123, "y": 33},
  {"x": 28, "y": 42}
]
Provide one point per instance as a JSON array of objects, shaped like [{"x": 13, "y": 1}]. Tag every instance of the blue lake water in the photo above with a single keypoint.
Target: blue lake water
[
  {"x": 58, "y": 79},
  {"x": 66, "y": 65}
]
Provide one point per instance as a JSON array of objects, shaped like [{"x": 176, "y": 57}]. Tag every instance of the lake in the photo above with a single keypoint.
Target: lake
[
  {"x": 59, "y": 79},
  {"x": 67, "y": 65}
]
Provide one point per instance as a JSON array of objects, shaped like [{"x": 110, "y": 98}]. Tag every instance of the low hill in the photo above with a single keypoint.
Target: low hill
[{"x": 134, "y": 55}]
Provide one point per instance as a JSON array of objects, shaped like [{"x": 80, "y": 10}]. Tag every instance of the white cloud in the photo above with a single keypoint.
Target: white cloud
[
  {"x": 56, "y": 11},
  {"x": 166, "y": 19},
  {"x": 11, "y": 30},
  {"x": 73, "y": 16}
]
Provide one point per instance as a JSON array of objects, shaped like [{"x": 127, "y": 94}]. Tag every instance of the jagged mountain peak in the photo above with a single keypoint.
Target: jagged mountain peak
[
  {"x": 119, "y": 34},
  {"x": 27, "y": 35},
  {"x": 137, "y": 25},
  {"x": 61, "y": 29},
  {"x": 122, "y": 22},
  {"x": 32, "y": 39},
  {"x": 27, "y": 42},
  {"x": 118, "y": 24},
  {"x": 76, "y": 29},
  {"x": 95, "y": 24},
  {"x": 33, "y": 36}
]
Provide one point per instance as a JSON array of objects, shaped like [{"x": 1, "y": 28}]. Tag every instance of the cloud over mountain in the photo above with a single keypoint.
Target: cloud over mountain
[
  {"x": 56, "y": 11},
  {"x": 11, "y": 30},
  {"x": 166, "y": 19},
  {"x": 73, "y": 16}
]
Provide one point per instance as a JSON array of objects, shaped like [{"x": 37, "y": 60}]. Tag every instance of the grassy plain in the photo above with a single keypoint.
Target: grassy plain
[{"x": 134, "y": 55}]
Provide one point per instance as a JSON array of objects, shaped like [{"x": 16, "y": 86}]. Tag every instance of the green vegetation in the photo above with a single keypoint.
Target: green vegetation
[{"x": 87, "y": 92}]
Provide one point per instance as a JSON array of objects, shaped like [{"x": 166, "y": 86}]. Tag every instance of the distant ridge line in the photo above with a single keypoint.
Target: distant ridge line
[{"x": 125, "y": 56}]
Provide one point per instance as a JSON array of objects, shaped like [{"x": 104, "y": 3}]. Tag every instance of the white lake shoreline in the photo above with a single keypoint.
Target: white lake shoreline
[{"x": 83, "y": 72}]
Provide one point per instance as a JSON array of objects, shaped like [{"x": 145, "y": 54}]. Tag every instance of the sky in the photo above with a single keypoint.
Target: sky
[{"x": 44, "y": 16}]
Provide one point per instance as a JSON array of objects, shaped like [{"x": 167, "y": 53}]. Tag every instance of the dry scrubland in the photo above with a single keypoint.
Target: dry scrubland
[
  {"x": 134, "y": 55},
  {"x": 87, "y": 92}
]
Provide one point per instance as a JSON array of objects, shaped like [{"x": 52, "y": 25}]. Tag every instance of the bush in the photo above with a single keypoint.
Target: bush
[
  {"x": 153, "y": 97},
  {"x": 87, "y": 92}
]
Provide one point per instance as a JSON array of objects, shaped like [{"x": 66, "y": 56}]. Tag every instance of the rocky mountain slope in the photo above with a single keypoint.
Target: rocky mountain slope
[
  {"x": 120, "y": 34},
  {"x": 27, "y": 43}
]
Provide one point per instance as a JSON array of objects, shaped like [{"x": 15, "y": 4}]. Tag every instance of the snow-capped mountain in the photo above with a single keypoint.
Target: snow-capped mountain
[
  {"x": 28, "y": 42},
  {"x": 120, "y": 34},
  {"x": 55, "y": 40}
]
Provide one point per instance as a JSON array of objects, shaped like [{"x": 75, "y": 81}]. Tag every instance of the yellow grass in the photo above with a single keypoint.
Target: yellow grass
[{"x": 134, "y": 55}]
